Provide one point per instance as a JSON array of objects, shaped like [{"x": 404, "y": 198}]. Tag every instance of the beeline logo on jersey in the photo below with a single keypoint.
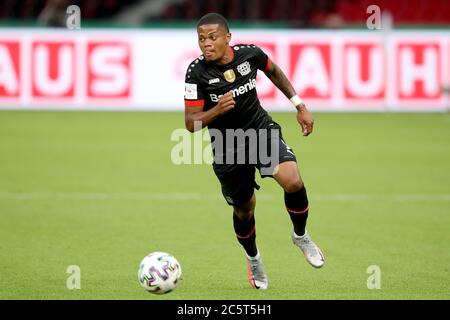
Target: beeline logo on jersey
[{"x": 250, "y": 85}]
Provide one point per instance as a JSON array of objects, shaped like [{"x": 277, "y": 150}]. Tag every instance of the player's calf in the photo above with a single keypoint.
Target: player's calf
[{"x": 298, "y": 208}]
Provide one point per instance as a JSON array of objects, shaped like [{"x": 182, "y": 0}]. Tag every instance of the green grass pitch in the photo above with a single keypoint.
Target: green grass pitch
[{"x": 99, "y": 190}]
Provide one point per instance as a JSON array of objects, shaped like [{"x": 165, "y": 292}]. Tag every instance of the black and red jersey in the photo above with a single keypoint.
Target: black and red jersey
[{"x": 206, "y": 82}]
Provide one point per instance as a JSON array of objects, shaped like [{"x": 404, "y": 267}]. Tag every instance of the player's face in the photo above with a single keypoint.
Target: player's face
[{"x": 213, "y": 40}]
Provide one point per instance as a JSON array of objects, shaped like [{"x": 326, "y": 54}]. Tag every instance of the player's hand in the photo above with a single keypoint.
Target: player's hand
[
  {"x": 305, "y": 119},
  {"x": 226, "y": 103}
]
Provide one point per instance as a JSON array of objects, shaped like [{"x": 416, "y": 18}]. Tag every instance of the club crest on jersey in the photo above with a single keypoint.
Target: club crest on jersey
[
  {"x": 229, "y": 75},
  {"x": 244, "y": 68}
]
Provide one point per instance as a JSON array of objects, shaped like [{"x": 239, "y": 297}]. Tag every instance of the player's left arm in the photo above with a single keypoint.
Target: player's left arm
[{"x": 279, "y": 79}]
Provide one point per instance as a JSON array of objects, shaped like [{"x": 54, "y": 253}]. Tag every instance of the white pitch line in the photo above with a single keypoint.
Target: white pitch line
[
  {"x": 199, "y": 196},
  {"x": 420, "y": 197},
  {"x": 99, "y": 196}
]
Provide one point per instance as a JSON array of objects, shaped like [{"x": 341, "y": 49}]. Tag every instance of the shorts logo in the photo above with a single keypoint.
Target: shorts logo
[
  {"x": 229, "y": 75},
  {"x": 288, "y": 149},
  {"x": 229, "y": 200},
  {"x": 244, "y": 68}
]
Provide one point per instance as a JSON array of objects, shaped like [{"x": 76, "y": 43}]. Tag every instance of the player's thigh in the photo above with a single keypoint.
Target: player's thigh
[
  {"x": 279, "y": 152},
  {"x": 288, "y": 176},
  {"x": 237, "y": 184}
]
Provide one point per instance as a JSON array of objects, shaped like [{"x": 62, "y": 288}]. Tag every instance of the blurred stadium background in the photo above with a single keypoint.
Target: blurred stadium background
[
  {"x": 297, "y": 13},
  {"x": 99, "y": 190}
]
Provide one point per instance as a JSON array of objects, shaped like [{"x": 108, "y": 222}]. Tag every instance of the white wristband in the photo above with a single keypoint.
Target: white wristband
[{"x": 296, "y": 100}]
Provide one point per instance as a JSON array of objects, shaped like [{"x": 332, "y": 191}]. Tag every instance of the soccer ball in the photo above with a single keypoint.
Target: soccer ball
[{"x": 159, "y": 272}]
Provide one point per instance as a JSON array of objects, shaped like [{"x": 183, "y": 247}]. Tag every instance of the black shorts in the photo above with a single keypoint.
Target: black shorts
[{"x": 238, "y": 180}]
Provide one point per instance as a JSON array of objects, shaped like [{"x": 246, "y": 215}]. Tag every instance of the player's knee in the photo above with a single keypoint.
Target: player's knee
[
  {"x": 293, "y": 185},
  {"x": 244, "y": 214}
]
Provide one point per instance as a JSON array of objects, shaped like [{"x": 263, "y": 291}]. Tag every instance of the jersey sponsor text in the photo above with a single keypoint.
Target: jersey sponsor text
[{"x": 250, "y": 85}]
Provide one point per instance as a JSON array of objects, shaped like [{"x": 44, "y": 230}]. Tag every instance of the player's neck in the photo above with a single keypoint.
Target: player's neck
[{"x": 227, "y": 57}]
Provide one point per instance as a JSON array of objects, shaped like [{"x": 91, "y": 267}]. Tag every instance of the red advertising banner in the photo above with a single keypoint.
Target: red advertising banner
[{"x": 136, "y": 70}]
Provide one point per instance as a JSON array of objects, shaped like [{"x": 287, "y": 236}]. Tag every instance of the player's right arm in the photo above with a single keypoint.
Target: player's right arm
[{"x": 194, "y": 114}]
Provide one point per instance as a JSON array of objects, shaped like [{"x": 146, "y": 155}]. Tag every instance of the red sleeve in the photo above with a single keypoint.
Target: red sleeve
[
  {"x": 267, "y": 65},
  {"x": 194, "y": 103}
]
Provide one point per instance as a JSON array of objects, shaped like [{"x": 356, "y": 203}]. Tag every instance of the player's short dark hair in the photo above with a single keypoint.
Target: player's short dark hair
[{"x": 213, "y": 18}]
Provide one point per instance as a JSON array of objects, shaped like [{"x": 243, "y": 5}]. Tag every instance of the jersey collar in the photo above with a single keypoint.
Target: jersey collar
[
  {"x": 232, "y": 59},
  {"x": 232, "y": 53}
]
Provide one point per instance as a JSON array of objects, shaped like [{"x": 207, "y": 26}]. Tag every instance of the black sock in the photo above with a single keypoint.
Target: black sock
[
  {"x": 297, "y": 207},
  {"x": 246, "y": 234}
]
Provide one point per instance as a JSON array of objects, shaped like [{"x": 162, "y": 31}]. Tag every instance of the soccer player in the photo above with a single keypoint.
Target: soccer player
[{"x": 220, "y": 93}]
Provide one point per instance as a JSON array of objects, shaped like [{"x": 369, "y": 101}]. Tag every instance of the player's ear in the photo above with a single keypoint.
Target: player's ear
[{"x": 228, "y": 37}]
